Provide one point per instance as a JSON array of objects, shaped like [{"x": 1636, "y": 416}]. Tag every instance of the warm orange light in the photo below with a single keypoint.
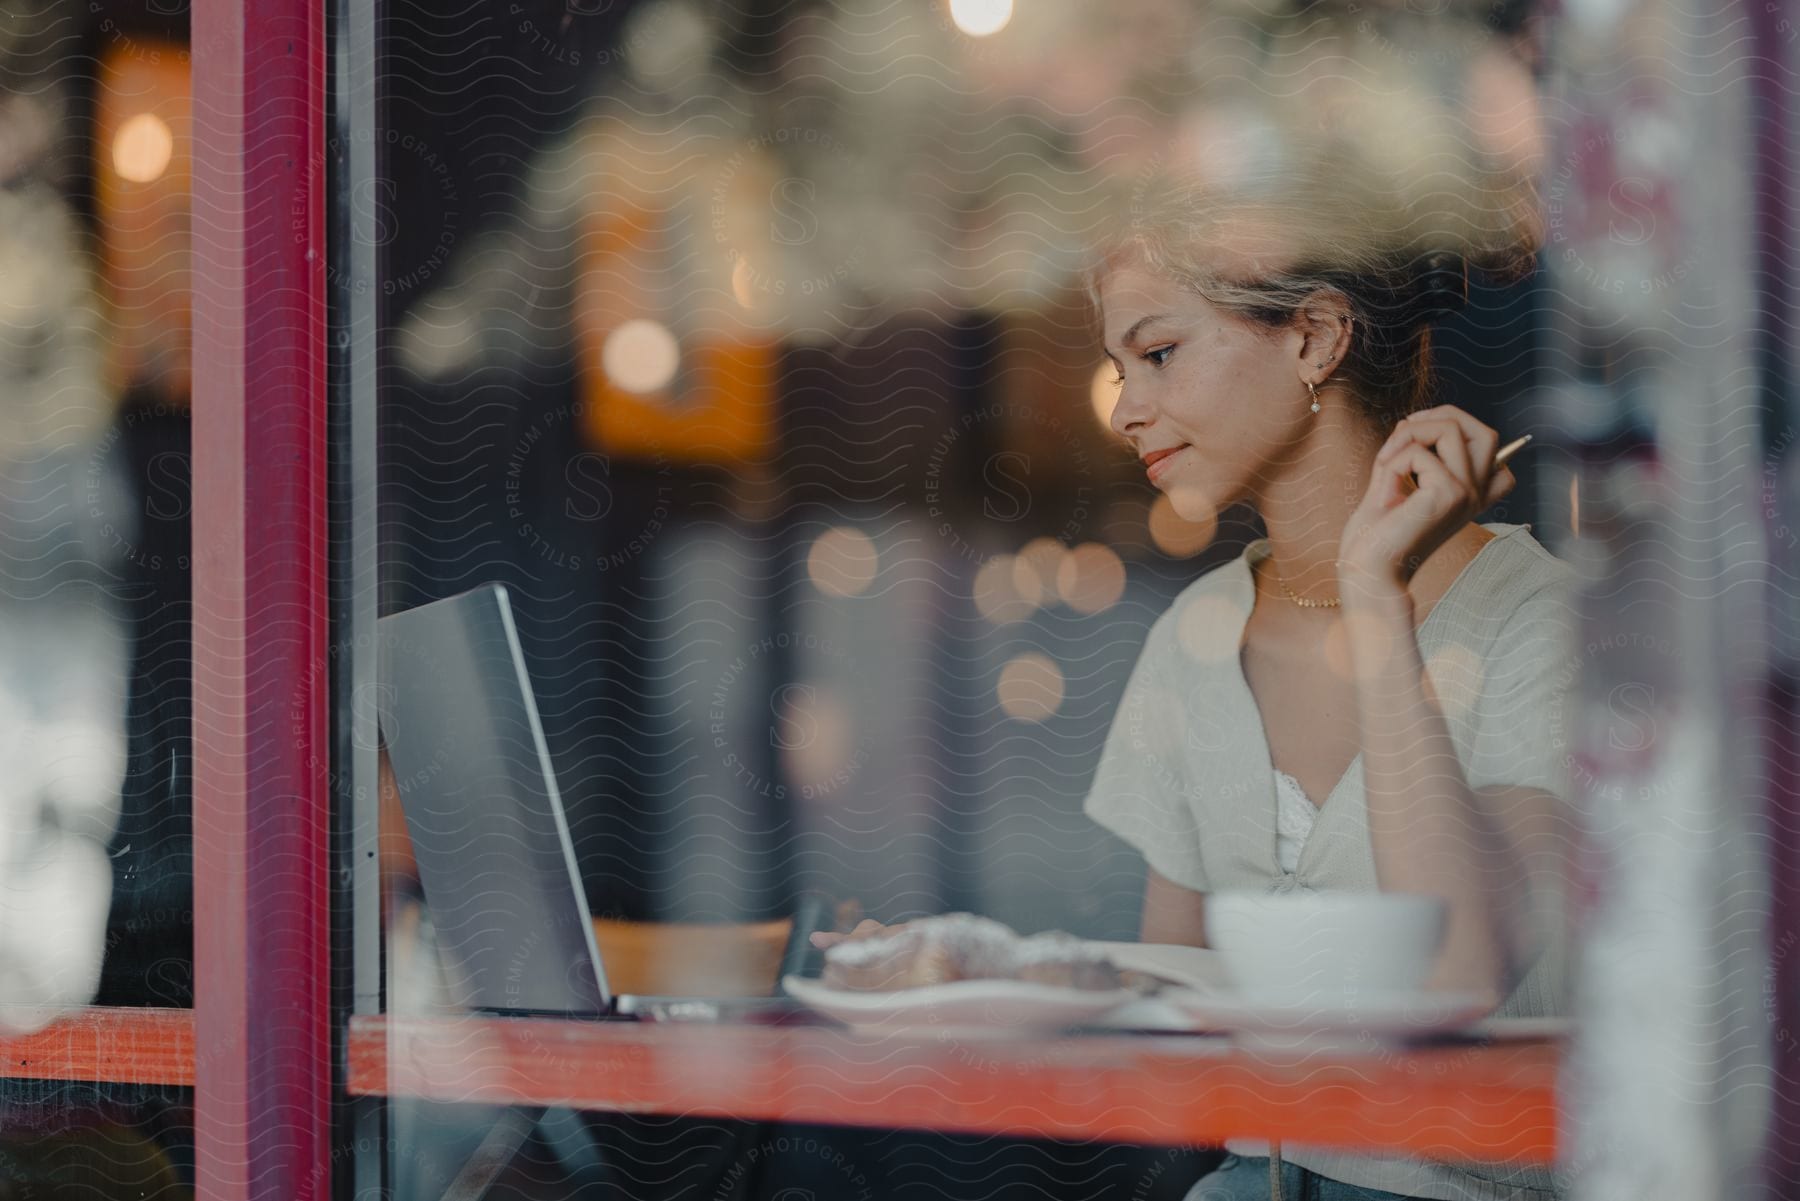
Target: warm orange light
[
  {"x": 1090, "y": 578},
  {"x": 1034, "y": 572},
  {"x": 724, "y": 381},
  {"x": 1174, "y": 534},
  {"x": 1103, "y": 394},
  {"x": 996, "y": 591},
  {"x": 743, "y": 283},
  {"x": 1031, "y": 687},
  {"x": 640, "y": 356},
  {"x": 142, "y": 168},
  {"x": 1027, "y": 584},
  {"x": 142, "y": 148}
]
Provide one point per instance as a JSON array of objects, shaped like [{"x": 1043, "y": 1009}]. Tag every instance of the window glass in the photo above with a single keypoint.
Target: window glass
[{"x": 96, "y": 882}]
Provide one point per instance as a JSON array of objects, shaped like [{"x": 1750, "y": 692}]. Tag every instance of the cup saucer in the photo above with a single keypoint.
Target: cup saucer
[{"x": 1328, "y": 1020}]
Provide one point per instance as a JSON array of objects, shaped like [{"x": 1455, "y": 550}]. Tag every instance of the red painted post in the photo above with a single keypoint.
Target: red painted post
[{"x": 262, "y": 1069}]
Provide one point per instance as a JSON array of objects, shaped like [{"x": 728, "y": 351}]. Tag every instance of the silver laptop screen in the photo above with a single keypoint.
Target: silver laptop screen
[{"x": 487, "y": 826}]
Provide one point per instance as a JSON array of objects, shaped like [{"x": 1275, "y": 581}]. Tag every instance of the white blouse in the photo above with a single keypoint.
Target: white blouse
[
  {"x": 1185, "y": 777},
  {"x": 1294, "y": 815}
]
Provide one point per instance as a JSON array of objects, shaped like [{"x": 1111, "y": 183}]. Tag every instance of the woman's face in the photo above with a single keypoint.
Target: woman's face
[{"x": 1226, "y": 397}]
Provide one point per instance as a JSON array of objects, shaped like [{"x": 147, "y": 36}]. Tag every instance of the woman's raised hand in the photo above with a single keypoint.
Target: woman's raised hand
[{"x": 1398, "y": 524}]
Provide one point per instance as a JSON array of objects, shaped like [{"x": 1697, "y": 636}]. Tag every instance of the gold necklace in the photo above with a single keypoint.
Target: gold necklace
[{"x": 1333, "y": 603}]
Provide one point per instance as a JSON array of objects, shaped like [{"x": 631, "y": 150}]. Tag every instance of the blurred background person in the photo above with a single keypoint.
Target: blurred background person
[{"x": 63, "y": 646}]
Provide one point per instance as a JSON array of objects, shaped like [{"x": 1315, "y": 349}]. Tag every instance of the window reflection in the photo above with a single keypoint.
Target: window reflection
[{"x": 95, "y": 831}]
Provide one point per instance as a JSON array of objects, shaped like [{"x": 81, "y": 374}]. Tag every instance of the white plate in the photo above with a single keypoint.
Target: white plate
[
  {"x": 983, "y": 1007},
  {"x": 1363, "y": 1021}
]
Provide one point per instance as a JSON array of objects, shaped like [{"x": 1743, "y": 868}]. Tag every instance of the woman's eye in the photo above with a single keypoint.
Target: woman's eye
[{"x": 1150, "y": 356}]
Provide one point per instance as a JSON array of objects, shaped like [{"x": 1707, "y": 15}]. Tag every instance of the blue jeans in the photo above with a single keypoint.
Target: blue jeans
[{"x": 1246, "y": 1178}]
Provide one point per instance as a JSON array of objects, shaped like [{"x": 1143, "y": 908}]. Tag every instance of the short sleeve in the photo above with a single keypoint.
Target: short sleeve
[
  {"x": 1140, "y": 790},
  {"x": 1521, "y": 735}
]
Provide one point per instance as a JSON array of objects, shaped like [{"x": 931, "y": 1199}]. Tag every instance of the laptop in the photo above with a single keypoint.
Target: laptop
[{"x": 495, "y": 859}]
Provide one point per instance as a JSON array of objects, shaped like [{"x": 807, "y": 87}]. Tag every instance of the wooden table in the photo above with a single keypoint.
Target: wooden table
[
  {"x": 1471, "y": 1101},
  {"x": 1490, "y": 1102},
  {"x": 100, "y": 1043}
]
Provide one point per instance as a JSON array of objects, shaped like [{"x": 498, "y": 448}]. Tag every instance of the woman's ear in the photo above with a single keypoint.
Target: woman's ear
[{"x": 1326, "y": 327}]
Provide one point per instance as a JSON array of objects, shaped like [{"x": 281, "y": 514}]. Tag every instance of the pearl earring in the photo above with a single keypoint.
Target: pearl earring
[{"x": 1315, "y": 395}]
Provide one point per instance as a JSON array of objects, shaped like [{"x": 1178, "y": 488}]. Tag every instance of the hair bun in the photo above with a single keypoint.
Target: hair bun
[{"x": 1442, "y": 288}]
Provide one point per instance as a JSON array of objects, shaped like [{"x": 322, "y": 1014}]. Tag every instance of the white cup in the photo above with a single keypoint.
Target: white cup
[{"x": 1329, "y": 949}]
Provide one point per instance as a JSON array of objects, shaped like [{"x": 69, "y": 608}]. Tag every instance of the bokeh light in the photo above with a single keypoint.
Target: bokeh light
[
  {"x": 1176, "y": 536},
  {"x": 981, "y": 18},
  {"x": 1090, "y": 578},
  {"x": 815, "y": 737},
  {"x": 1103, "y": 394},
  {"x": 142, "y": 148},
  {"x": 743, "y": 283},
  {"x": 1031, "y": 687},
  {"x": 640, "y": 356},
  {"x": 1035, "y": 569},
  {"x": 996, "y": 591},
  {"x": 669, "y": 43},
  {"x": 842, "y": 562}
]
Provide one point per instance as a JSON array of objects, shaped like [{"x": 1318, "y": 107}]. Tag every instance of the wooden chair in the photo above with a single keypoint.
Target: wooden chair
[
  {"x": 692, "y": 959},
  {"x": 656, "y": 959}
]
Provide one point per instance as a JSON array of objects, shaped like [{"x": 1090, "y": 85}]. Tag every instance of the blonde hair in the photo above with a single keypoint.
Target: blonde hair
[{"x": 1265, "y": 239}]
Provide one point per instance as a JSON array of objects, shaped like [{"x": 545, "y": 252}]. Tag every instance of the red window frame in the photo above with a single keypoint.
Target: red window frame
[
  {"x": 262, "y": 936},
  {"x": 258, "y": 1046}
]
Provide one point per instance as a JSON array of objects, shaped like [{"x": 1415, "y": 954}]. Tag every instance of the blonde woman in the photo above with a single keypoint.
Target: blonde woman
[{"x": 1367, "y": 698}]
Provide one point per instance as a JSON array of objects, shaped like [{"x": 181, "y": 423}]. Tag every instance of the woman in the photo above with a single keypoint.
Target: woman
[{"x": 1367, "y": 698}]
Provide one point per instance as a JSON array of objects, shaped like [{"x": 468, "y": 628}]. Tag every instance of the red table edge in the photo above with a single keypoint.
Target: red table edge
[
  {"x": 103, "y": 1044},
  {"x": 156, "y": 1047},
  {"x": 795, "y": 1075}
]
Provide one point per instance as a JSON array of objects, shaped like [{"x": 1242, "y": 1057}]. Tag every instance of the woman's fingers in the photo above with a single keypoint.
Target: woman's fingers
[
  {"x": 1404, "y": 536},
  {"x": 1405, "y": 436},
  {"x": 1451, "y": 444},
  {"x": 1436, "y": 481},
  {"x": 1400, "y": 523},
  {"x": 1482, "y": 438},
  {"x": 1447, "y": 441}
]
